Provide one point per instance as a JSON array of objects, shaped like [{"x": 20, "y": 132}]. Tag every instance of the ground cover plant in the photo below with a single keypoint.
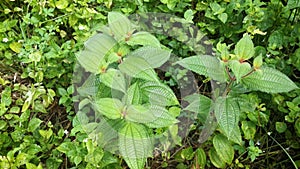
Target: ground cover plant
[{"x": 246, "y": 69}]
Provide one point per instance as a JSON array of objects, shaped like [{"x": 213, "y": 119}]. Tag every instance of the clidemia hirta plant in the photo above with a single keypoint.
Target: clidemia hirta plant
[{"x": 125, "y": 108}]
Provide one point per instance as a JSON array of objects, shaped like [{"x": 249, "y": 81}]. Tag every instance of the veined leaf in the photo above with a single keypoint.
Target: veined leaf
[
  {"x": 159, "y": 94},
  {"x": 199, "y": 104},
  {"x": 89, "y": 87},
  {"x": 143, "y": 38},
  {"x": 223, "y": 148},
  {"x": 205, "y": 65},
  {"x": 239, "y": 69},
  {"x": 244, "y": 49},
  {"x": 133, "y": 95},
  {"x": 138, "y": 68},
  {"x": 95, "y": 49},
  {"x": 155, "y": 57},
  {"x": 111, "y": 108},
  {"x": 227, "y": 113},
  {"x": 269, "y": 80},
  {"x": 153, "y": 117},
  {"x": 215, "y": 159},
  {"x": 236, "y": 135},
  {"x": 135, "y": 145},
  {"x": 162, "y": 118},
  {"x": 119, "y": 25},
  {"x": 114, "y": 79}
]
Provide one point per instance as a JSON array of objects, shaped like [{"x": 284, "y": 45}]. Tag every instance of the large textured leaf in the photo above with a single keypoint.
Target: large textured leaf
[
  {"x": 199, "y": 104},
  {"x": 239, "y": 69},
  {"x": 111, "y": 108},
  {"x": 133, "y": 95},
  {"x": 135, "y": 145},
  {"x": 143, "y": 38},
  {"x": 155, "y": 57},
  {"x": 223, "y": 148},
  {"x": 162, "y": 118},
  {"x": 119, "y": 25},
  {"x": 153, "y": 117},
  {"x": 95, "y": 50},
  {"x": 244, "y": 49},
  {"x": 205, "y": 65},
  {"x": 89, "y": 87},
  {"x": 215, "y": 159},
  {"x": 114, "y": 79},
  {"x": 227, "y": 113},
  {"x": 159, "y": 94},
  {"x": 138, "y": 68},
  {"x": 269, "y": 80},
  {"x": 235, "y": 135}
]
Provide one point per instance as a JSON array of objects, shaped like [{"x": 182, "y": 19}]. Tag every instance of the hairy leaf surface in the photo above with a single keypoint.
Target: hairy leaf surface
[
  {"x": 269, "y": 80},
  {"x": 205, "y": 65}
]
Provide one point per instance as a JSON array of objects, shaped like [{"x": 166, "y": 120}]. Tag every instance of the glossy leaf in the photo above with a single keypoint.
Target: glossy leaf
[
  {"x": 204, "y": 65},
  {"x": 269, "y": 80}
]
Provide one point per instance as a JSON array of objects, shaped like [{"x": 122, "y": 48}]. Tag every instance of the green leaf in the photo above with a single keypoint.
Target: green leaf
[
  {"x": 133, "y": 95},
  {"x": 223, "y": 17},
  {"x": 269, "y": 80},
  {"x": 153, "y": 117},
  {"x": 249, "y": 129},
  {"x": 62, "y": 4},
  {"x": 200, "y": 158},
  {"x": 280, "y": 127},
  {"x": 155, "y": 57},
  {"x": 16, "y": 47},
  {"x": 216, "y": 8},
  {"x": 135, "y": 145},
  {"x": 227, "y": 113},
  {"x": 223, "y": 148},
  {"x": 292, "y": 4},
  {"x": 235, "y": 135},
  {"x": 91, "y": 58},
  {"x": 187, "y": 153},
  {"x": 205, "y": 65},
  {"x": 215, "y": 159},
  {"x": 66, "y": 147},
  {"x": 111, "y": 108},
  {"x": 114, "y": 79},
  {"x": 119, "y": 25},
  {"x": 244, "y": 49},
  {"x": 138, "y": 68},
  {"x": 239, "y": 69},
  {"x": 257, "y": 62},
  {"x": 34, "y": 123},
  {"x": 144, "y": 39},
  {"x": 199, "y": 104},
  {"x": 189, "y": 15},
  {"x": 159, "y": 94}
]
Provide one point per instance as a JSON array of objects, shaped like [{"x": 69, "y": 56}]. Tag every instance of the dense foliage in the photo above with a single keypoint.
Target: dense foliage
[{"x": 256, "y": 102}]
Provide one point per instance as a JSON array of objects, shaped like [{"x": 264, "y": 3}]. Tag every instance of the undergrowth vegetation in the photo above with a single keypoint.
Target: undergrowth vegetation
[{"x": 83, "y": 86}]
